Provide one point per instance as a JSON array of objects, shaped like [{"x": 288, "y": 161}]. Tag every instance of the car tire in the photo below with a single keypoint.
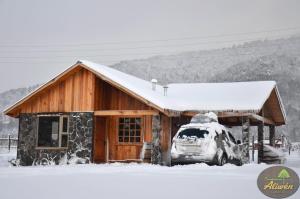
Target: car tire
[
  {"x": 223, "y": 160},
  {"x": 239, "y": 163}
]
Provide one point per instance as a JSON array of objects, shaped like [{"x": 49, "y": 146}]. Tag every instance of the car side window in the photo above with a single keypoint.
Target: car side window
[{"x": 231, "y": 138}]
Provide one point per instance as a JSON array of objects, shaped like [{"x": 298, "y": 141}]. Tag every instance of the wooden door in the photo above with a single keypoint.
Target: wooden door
[{"x": 99, "y": 140}]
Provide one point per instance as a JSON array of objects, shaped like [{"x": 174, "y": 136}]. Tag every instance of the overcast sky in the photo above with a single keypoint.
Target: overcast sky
[{"x": 41, "y": 38}]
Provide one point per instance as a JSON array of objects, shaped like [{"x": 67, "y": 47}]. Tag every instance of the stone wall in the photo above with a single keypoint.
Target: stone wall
[
  {"x": 156, "y": 156},
  {"x": 79, "y": 145},
  {"x": 81, "y": 138}
]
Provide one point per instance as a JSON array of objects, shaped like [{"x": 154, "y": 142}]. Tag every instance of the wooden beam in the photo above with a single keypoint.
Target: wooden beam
[
  {"x": 236, "y": 114},
  {"x": 125, "y": 112},
  {"x": 220, "y": 114},
  {"x": 171, "y": 113},
  {"x": 233, "y": 114},
  {"x": 190, "y": 113},
  {"x": 263, "y": 119}
]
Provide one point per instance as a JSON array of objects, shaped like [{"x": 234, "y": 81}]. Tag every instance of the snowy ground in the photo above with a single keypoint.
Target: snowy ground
[
  {"x": 134, "y": 181},
  {"x": 6, "y": 155}
]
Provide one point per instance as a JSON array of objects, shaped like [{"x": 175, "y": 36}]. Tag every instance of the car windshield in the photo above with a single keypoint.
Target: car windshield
[
  {"x": 202, "y": 119},
  {"x": 192, "y": 132}
]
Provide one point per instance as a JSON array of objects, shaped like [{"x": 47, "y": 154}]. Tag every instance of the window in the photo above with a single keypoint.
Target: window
[
  {"x": 53, "y": 131},
  {"x": 193, "y": 132},
  {"x": 130, "y": 130}
]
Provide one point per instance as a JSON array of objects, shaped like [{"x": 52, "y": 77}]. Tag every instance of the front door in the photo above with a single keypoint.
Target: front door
[{"x": 99, "y": 140}]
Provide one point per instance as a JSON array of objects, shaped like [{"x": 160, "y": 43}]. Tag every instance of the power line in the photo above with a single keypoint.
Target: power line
[
  {"x": 140, "y": 47},
  {"x": 165, "y": 58},
  {"x": 155, "y": 40},
  {"x": 117, "y": 55}
]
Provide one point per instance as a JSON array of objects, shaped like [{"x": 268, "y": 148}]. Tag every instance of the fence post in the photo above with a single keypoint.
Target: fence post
[
  {"x": 253, "y": 147},
  {"x": 9, "y": 142}
]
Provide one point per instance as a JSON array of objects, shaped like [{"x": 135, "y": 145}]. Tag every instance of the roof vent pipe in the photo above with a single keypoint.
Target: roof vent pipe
[
  {"x": 154, "y": 82},
  {"x": 165, "y": 90}
]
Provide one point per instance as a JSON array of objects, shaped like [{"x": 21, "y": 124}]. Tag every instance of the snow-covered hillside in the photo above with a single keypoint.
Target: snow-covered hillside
[{"x": 9, "y": 125}]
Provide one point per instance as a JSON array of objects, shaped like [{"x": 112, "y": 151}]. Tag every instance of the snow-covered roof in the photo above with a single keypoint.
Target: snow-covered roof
[{"x": 234, "y": 96}]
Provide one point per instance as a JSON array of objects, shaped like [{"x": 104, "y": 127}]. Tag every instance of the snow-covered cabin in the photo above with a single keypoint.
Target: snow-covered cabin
[{"x": 94, "y": 113}]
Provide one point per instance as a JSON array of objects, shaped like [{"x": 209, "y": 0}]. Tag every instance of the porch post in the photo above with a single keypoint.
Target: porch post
[
  {"x": 260, "y": 142},
  {"x": 156, "y": 156},
  {"x": 246, "y": 139},
  {"x": 272, "y": 135}
]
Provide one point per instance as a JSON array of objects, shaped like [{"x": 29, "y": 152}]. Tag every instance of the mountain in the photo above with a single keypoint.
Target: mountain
[
  {"x": 201, "y": 66},
  {"x": 9, "y": 125},
  {"x": 277, "y": 60},
  {"x": 285, "y": 70}
]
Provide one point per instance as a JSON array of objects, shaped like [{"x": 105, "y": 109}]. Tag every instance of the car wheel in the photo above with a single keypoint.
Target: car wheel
[
  {"x": 239, "y": 163},
  {"x": 223, "y": 160}
]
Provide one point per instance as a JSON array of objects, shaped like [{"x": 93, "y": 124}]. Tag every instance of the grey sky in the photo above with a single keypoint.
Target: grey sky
[{"x": 40, "y": 38}]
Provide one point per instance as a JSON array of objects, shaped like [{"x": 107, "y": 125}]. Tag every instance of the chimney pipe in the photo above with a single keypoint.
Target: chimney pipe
[
  {"x": 154, "y": 82},
  {"x": 165, "y": 90}
]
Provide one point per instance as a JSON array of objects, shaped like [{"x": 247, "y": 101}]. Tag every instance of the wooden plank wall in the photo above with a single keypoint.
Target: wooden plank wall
[
  {"x": 272, "y": 110},
  {"x": 126, "y": 151},
  {"x": 72, "y": 93},
  {"x": 108, "y": 97},
  {"x": 115, "y": 99},
  {"x": 99, "y": 151}
]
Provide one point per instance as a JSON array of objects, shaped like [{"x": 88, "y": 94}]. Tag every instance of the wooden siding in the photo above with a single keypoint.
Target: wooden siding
[
  {"x": 74, "y": 92},
  {"x": 126, "y": 151},
  {"x": 99, "y": 143},
  {"x": 108, "y": 97},
  {"x": 272, "y": 110}
]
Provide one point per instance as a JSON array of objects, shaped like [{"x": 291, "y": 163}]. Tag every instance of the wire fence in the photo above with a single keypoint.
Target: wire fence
[{"x": 9, "y": 142}]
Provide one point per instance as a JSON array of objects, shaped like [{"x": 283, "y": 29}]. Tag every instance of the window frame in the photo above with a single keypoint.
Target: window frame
[
  {"x": 142, "y": 131},
  {"x": 60, "y": 133}
]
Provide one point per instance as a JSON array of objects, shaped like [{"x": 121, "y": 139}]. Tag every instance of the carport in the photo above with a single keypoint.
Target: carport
[{"x": 259, "y": 106}]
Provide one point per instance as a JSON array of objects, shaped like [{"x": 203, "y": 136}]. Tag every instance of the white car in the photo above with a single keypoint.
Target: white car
[{"x": 205, "y": 140}]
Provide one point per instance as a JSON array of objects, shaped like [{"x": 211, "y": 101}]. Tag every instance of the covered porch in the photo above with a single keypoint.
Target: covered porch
[{"x": 119, "y": 135}]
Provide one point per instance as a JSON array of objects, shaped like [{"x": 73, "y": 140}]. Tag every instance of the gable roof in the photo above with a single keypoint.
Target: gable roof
[{"x": 234, "y": 96}]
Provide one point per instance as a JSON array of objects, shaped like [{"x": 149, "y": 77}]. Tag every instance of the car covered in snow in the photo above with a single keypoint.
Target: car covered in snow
[{"x": 205, "y": 140}]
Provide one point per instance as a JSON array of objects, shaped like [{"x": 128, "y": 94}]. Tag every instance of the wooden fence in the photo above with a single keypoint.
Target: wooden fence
[{"x": 8, "y": 142}]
